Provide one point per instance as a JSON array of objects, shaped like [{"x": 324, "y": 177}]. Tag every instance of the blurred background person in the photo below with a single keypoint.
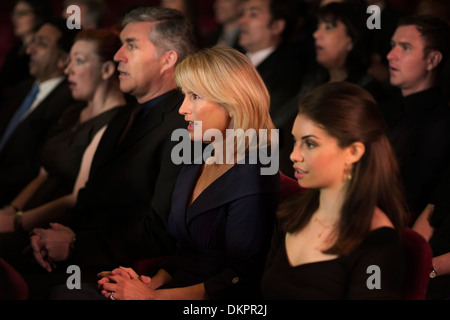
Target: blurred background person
[
  {"x": 266, "y": 28},
  {"x": 93, "y": 79},
  {"x": 226, "y": 15},
  {"x": 419, "y": 116},
  {"x": 27, "y": 16},
  {"x": 341, "y": 54},
  {"x": 34, "y": 107}
]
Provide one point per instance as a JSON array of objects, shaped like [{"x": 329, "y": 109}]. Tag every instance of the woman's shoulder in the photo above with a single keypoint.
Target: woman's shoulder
[{"x": 380, "y": 220}]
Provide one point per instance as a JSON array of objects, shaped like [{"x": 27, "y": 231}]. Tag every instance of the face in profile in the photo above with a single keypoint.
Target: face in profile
[
  {"x": 255, "y": 25},
  {"x": 24, "y": 19},
  {"x": 84, "y": 70},
  {"x": 407, "y": 63},
  {"x": 332, "y": 44},
  {"x": 319, "y": 162},
  {"x": 139, "y": 63},
  {"x": 198, "y": 111},
  {"x": 45, "y": 55}
]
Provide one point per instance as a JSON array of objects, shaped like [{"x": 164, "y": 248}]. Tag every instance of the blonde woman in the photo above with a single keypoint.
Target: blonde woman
[{"x": 222, "y": 211}]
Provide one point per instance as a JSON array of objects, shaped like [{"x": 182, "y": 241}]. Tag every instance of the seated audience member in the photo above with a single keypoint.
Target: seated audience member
[
  {"x": 34, "y": 107},
  {"x": 27, "y": 16},
  {"x": 434, "y": 225},
  {"x": 226, "y": 14},
  {"x": 330, "y": 235},
  {"x": 419, "y": 118},
  {"x": 222, "y": 211},
  {"x": 121, "y": 214},
  {"x": 93, "y": 78},
  {"x": 340, "y": 55},
  {"x": 265, "y": 32},
  {"x": 265, "y": 26}
]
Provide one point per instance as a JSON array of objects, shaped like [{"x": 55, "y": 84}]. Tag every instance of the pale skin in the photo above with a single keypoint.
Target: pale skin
[
  {"x": 257, "y": 31},
  {"x": 314, "y": 150},
  {"x": 125, "y": 282},
  {"x": 410, "y": 69},
  {"x": 333, "y": 45}
]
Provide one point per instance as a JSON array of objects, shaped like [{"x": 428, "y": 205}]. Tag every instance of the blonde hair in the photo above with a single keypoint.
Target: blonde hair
[{"x": 225, "y": 76}]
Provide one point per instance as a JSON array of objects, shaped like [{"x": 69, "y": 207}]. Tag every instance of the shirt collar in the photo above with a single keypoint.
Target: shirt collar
[{"x": 259, "y": 56}]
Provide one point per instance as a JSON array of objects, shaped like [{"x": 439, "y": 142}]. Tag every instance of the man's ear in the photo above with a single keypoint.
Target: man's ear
[
  {"x": 278, "y": 26},
  {"x": 168, "y": 60},
  {"x": 108, "y": 69},
  {"x": 433, "y": 60},
  {"x": 63, "y": 61}
]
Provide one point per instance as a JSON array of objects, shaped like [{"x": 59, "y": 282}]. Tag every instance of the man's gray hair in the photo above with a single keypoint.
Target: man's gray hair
[{"x": 172, "y": 31}]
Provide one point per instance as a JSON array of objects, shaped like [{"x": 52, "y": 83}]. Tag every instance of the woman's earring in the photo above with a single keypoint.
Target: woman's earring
[{"x": 348, "y": 173}]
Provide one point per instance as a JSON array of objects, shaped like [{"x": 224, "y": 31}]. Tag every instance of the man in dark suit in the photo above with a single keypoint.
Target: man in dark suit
[
  {"x": 20, "y": 144},
  {"x": 265, "y": 29},
  {"x": 121, "y": 215}
]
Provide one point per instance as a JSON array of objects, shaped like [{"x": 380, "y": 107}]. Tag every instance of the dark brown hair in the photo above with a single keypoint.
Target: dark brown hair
[
  {"x": 107, "y": 42},
  {"x": 434, "y": 32},
  {"x": 353, "y": 17},
  {"x": 350, "y": 114}
]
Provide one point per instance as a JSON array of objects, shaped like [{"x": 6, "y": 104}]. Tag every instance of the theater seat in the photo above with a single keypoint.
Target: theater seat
[
  {"x": 289, "y": 187},
  {"x": 418, "y": 259},
  {"x": 12, "y": 285}
]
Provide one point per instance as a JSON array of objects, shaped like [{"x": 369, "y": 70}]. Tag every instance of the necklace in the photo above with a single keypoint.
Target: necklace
[{"x": 325, "y": 227}]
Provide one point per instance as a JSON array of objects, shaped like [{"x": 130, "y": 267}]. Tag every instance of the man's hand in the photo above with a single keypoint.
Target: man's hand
[{"x": 51, "y": 245}]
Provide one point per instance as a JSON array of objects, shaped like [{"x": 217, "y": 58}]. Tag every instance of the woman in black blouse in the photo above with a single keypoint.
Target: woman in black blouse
[{"x": 340, "y": 240}]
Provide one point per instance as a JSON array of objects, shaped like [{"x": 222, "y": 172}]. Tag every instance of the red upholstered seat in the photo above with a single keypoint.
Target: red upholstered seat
[
  {"x": 289, "y": 187},
  {"x": 418, "y": 259},
  {"x": 12, "y": 285}
]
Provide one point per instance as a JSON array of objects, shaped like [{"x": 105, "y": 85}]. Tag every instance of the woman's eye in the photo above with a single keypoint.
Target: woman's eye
[
  {"x": 309, "y": 144},
  {"x": 329, "y": 26},
  {"x": 79, "y": 61}
]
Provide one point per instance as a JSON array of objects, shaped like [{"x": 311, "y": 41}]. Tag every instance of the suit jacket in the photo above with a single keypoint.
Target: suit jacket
[
  {"x": 420, "y": 136},
  {"x": 19, "y": 159},
  {"x": 282, "y": 74},
  {"x": 224, "y": 235},
  {"x": 121, "y": 214}
]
